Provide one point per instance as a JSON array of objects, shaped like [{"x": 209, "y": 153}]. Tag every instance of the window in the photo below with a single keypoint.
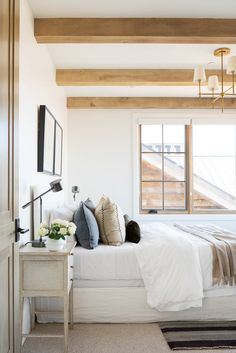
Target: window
[
  {"x": 198, "y": 176},
  {"x": 214, "y": 162},
  {"x": 163, "y": 173}
]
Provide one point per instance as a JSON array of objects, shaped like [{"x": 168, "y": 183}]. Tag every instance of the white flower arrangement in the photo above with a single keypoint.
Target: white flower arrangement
[{"x": 58, "y": 229}]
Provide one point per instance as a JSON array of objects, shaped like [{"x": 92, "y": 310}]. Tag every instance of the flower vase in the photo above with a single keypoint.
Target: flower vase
[{"x": 55, "y": 245}]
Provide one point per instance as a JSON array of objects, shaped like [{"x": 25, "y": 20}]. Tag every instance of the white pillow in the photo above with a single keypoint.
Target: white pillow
[
  {"x": 63, "y": 213},
  {"x": 110, "y": 221}
]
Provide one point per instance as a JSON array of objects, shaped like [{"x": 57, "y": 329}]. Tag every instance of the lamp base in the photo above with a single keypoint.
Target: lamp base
[{"x": 39, "y": 244}]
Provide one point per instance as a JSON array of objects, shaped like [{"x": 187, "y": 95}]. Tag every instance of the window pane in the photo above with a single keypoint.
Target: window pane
[
  {"x": 214, "y": 162},
  {"x": 151, "y": 138},
  {"x": 152, "y": 166},
  {"x": 151, "y": 195},
  {"x": 174, "y": 138},
  {"x": 174, "y": 195},
  {"x": 174, "y": 167}
]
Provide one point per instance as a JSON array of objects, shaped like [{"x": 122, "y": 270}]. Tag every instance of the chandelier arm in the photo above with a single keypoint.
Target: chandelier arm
[
  {"x": 206, "y": 94},
  {"x": 228, "y": 89},
  {"x": 216, "y": 99},
  {"x": 222, "y": 72}
]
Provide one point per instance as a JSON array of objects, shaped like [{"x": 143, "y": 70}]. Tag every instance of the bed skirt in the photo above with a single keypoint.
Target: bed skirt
[{"x": 129, "y": 305}]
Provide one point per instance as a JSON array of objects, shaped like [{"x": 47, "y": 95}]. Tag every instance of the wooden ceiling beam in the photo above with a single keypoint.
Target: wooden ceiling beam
[
  {"x": 145, "y": 103},
  {"x": 130, "y": 77},
  {"x": 135, "y": 30}
]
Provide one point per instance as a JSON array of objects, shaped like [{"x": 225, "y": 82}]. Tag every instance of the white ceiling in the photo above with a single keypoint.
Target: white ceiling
[
  {"x": 136, "y": 56},
  {"x": 134, "y": 8},
  {"x": 125, "y": 56}
]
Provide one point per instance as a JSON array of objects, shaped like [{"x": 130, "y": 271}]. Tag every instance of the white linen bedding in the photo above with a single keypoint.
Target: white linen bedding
[
  {"x": 175, "y": 267},
  {"x": 106, "y": 263},
  {"x": 170, "y": 267}
]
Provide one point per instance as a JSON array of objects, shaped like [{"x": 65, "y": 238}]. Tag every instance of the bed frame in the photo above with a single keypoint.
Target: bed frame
[{"x": 120, "y": 305}]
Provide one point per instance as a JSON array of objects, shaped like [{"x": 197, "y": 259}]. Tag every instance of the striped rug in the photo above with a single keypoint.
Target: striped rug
[{"x": 199, "y": 335}]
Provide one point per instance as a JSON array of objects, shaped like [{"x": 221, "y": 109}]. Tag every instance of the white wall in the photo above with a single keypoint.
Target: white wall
[
  {"x": 100, "y": 154},
  {"x": 37, "y": 86},
  {"x": 101, "y": 158}
]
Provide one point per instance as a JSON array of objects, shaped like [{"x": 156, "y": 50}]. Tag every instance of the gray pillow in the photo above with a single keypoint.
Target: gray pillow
[
  {"x": 127, "y": 219},
  {"x": 89, "y": 203},
  {"x": 87, "y": 233}
]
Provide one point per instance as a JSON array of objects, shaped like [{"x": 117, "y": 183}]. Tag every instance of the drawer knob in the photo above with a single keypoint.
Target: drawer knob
[
  {"x": 72, "y": 253},
  {"x": 71, "y": 266},
  {"x": 71, "y": 279}
]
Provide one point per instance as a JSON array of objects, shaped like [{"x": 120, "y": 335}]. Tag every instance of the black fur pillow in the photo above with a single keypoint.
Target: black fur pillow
[{"x": 133, "y": 233}]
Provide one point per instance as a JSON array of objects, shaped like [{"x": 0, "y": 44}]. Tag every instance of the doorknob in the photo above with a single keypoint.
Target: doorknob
[{"x": 19, "y": 230}]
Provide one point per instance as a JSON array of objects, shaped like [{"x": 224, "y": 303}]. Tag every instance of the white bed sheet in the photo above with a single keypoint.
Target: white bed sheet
[
  {"x": 118, "y": 266},
  {"x": 106, "y": 263}
]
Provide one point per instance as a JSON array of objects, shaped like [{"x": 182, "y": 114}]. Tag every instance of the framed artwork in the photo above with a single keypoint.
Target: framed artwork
[
  {"x": 58, "y": 150},
  {"x": 46, "y": 137}
]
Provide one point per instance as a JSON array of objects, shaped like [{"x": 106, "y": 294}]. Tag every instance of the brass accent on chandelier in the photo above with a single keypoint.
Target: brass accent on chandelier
[
  {"x": 213, "y": 82},
  {"x": 219, "y": 51}
]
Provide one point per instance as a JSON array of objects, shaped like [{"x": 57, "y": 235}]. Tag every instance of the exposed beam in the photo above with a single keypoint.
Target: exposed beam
[
  {"x": 130, "y": 77},
  {"x": 145, "y": 103},
  {"x": 135, "y": 30}
]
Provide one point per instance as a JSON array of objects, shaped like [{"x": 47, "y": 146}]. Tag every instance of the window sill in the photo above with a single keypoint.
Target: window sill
[{"x": 196, "y": 217}]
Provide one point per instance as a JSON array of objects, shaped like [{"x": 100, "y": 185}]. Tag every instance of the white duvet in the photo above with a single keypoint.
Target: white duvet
[{"x": 170, "y": 267}]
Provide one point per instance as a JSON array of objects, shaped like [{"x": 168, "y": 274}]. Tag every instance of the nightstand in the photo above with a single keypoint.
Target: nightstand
[{"x": 44, "y": 273}]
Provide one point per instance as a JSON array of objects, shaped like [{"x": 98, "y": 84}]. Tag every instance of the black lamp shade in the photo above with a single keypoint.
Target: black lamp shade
[{"x": 56, "y": 185}]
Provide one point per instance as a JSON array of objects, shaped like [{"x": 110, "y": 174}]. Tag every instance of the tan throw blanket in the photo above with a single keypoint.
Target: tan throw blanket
[{"x": 223, "y": 245}]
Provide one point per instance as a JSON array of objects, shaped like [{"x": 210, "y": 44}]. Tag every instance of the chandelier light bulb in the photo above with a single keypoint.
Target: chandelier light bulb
[
  {"x": 213, "y": 83},
  {"x": 231, "y": 68},
  {"x": 199, "y": 74}
]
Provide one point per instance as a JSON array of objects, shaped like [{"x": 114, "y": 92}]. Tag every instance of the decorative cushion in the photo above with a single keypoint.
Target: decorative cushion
[
  {"x": 133, "y": 233},
  {"x": 127, "y": 219},
  {"x": 132, "y": 229},
  {"x": 89, "y": 203},
  {"x": 87, "y": 232},
  {"x": 64, "y": 213},
  {"x": 110, "y": 221}
]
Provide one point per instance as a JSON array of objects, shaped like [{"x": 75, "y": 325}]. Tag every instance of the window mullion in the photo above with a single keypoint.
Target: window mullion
[
  {"x": 189, "y": 168},
  {"x": 163, "y": 184}
]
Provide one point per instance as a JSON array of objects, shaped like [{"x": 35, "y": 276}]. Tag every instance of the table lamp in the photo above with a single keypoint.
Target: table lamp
[{"x": 55, "y": 186}]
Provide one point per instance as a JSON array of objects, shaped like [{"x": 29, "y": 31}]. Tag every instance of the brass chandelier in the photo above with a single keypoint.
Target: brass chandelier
[{"x": 217, "y": 91}]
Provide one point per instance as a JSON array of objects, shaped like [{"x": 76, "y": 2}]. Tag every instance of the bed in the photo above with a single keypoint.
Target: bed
[{"x": 109, "y": 285}]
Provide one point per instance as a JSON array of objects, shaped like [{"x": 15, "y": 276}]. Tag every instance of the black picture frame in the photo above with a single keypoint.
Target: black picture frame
[
  {"x": 57, "y": 167},
  {"x": 46, "y": 140}
]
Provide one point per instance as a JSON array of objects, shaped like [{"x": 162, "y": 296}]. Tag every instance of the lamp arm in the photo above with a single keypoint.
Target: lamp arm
[{"x": 36, "y": 198}]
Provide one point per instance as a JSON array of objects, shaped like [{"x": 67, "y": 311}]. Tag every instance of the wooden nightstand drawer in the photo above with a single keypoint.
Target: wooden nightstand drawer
[{"x": 42, "y": 275}]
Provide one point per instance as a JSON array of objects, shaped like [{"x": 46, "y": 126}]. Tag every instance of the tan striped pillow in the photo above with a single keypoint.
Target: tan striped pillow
[{"x": 110, "y": 221}]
